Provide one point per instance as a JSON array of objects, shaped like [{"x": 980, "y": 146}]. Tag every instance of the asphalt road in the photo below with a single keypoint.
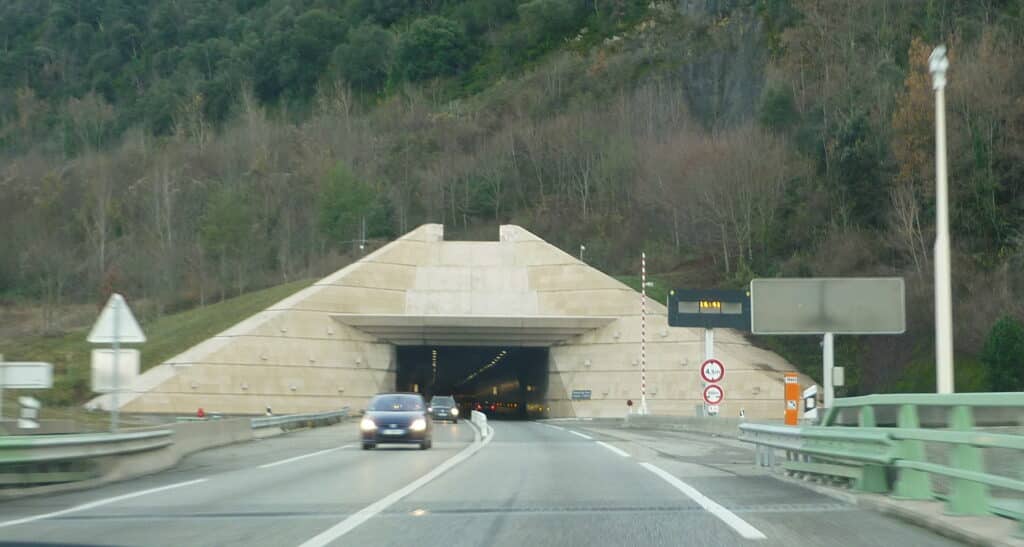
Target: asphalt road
[{"x": 529, "y": 484}]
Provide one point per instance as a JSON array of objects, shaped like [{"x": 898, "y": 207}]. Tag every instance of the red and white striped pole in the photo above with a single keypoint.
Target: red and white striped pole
[{"x": 643, "y": 334}]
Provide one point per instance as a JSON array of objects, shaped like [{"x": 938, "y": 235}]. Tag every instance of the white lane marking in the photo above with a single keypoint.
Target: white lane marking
[
  {"x": 551, "y": 426},
  {"x": 310, "y": 455},
  {"x": 98, "y": 503},
  {"x": 578, "y": 434},
  {"x": 368, "y": 512},
  {"x": 618, "y": 451},
  {"x": 736, "y": 523}
]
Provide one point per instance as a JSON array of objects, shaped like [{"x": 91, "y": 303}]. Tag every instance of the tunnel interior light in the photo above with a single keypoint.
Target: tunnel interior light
[{"x": 497, "y": 358}]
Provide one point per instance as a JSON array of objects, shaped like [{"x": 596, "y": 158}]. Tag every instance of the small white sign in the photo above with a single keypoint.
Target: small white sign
[
  {"x": 838, "y": 376},
  {"x": 27, "y": 375},
  {"x": 712, "y": 410},
  {"x": 116, "y": 322},
  {"x": 103, "y": 369}
]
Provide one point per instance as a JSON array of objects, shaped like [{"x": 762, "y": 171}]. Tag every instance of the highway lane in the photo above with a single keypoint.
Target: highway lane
[
  {"x": 539, "y": 484},
  {"x": 533, "y": 484},
  {"x": 239, "y": 502}
]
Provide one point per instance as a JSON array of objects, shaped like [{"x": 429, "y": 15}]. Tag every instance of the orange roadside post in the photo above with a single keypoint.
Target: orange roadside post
[{"x": 792, "y": 394}]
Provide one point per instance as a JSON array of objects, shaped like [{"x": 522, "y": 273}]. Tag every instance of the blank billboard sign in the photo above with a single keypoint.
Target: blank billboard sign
[{"x": 853, "y": 305}]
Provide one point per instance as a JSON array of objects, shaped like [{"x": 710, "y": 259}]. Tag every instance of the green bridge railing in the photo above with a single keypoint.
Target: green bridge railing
[{"x": 913, "y": 446}]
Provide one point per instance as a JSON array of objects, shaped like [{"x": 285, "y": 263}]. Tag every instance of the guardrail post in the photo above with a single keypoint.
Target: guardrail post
[
  {"x": 873, "y": 477},
  {"x": 910, "y": 483},
  {"x": 966, "y": 497}
]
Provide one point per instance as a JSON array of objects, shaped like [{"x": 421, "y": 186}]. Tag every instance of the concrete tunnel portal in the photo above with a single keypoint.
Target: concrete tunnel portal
[
  {"x": 515, "y": 321},
  {"x": 504, "y": 381}
]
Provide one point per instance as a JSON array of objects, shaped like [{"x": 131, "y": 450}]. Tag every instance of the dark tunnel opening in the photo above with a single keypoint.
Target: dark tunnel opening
[{"x": 502, "y": 382}]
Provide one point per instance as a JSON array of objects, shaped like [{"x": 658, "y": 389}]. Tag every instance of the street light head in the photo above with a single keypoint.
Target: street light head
[{"x": 938, "y": 64}]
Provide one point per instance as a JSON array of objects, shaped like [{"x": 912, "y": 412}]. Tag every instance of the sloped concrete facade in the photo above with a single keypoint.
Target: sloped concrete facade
[{"x": 333, "y": 344}]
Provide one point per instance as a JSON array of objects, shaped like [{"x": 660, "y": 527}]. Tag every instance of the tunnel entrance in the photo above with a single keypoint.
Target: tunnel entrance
[{"x": 503, "y": 382}]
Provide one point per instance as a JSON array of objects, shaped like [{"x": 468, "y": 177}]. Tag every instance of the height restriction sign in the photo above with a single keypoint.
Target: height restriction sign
[
  {"x": 712, "y": 371},
  {"x": 713, "y": 394}
]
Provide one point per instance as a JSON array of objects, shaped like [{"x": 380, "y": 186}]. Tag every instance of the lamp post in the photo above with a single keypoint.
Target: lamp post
[
  {"x": 937, "y": 65},
  {"x": 582, "y": 248}
]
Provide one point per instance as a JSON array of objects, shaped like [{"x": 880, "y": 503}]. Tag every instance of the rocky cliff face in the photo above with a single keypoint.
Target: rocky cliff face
[{"x": 724, "y": 78}]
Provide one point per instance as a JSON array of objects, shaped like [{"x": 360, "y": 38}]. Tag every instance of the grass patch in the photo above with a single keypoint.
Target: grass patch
[
  {"x": 658, "y": 291},
  {"x": 167, "y": 336}
]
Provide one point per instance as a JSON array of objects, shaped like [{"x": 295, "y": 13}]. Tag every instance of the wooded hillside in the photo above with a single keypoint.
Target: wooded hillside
[{"x": 180, "y": 151}]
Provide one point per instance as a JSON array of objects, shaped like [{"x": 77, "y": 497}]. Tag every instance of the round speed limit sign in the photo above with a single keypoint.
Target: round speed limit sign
[
  {"x": 713, "y": 394},
  {"x": 712, "y": 371}
]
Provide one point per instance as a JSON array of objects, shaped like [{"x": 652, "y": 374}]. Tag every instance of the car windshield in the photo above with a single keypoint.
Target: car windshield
[
  {"x": 396, "y": 403},
  {"x": 442, "y": 401}
]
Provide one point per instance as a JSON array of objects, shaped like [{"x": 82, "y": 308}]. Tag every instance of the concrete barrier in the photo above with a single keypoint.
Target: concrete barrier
[
  {"x": 181, "y": 440},
  {"x": 479, "y": 419}
]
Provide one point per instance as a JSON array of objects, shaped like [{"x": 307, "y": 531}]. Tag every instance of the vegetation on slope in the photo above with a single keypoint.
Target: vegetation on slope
[{"x": 166, "y": 337}]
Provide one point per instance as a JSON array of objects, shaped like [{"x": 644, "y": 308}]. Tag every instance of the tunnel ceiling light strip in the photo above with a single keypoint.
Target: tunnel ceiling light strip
[{"x": 493, "y": 362}]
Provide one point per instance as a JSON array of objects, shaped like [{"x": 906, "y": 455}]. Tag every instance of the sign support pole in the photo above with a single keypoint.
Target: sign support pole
[
  {"x": 828, "y": 362},
  {"x": 2, "y": 388},
  {"x": 709, "y": 353},
  {"x": 117, "y": 347}
]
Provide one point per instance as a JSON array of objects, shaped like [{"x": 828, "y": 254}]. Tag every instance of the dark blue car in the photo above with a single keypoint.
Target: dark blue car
[{"x": 396, "y": 418}]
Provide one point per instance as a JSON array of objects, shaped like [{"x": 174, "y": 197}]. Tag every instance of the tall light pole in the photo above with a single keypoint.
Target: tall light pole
[{"x": 937, "y": 65}]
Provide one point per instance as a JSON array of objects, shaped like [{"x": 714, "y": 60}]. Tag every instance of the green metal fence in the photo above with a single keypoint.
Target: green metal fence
[{"x": 966, "y": 449}]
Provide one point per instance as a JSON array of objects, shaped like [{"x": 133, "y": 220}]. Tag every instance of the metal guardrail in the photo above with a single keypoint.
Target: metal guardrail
[
  {"x": 904, "y": 459},
  {"x": 299, "y": 420},
  {"x": 48, "y": 459},
  {"x": 42, "y": 448}
]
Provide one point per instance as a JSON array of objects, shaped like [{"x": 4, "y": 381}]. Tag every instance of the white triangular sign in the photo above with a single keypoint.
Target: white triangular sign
[{"x": 127, "y": 331}]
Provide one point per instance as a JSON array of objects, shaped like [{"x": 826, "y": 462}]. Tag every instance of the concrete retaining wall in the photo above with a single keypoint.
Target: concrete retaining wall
[{"x": 713, "y": 425}]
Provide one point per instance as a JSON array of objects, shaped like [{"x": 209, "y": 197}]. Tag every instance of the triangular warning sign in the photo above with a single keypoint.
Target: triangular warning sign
[{"x": 127, "y": 330}]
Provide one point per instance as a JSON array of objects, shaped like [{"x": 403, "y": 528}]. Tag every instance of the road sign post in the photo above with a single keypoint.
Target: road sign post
[
  {"x": 116, "y": 325},
  {"x": 810, "y": 397},
  {"x": 792, "y": 394},
  {"x": 27, "y": 375},
  {"x": 827, "y": 306}
]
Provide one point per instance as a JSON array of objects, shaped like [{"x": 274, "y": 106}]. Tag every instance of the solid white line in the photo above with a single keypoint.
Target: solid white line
[
  {"x": 98, "y": 503},
  {"x": 736, "y": 523},
  {"x": 551, "y": 426},
  {"x": 368, "y": 512},
  {"x": 618, "y": 451},
  {"x": 310, "y": 455},
  {"x": 578, "y": 434}
]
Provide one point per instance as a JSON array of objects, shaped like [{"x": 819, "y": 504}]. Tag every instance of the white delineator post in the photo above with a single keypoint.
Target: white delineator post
[
  {"x": 938, "y": 64},
  {"x": 643, "y": 334}
]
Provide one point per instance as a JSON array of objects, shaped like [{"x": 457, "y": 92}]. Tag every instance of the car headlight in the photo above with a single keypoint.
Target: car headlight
[
  {"x": 419, "y": 424},
  {"x": 455, "y": 412},
  {"x": 367, "y": 425}
]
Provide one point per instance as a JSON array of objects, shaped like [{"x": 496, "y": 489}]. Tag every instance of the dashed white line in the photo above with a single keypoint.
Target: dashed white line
[
  {"x": 736, "y": 523},
  {"x": 578, "y": 434},
  {"x": 618, "y": 451},
  {"x": 551, "y": 426},
  {"x": 99, "y": 503},
  {"x": 368, "y": 512},
  {"x": 304, "y": 456}
]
